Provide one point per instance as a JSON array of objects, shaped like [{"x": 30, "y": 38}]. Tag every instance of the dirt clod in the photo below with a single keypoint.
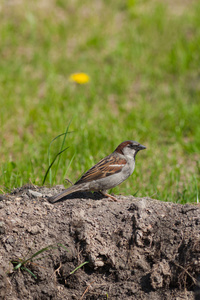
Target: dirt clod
[{"x": 132, "y": 249}]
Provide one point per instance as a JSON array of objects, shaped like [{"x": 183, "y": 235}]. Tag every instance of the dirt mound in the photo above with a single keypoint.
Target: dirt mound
[{"x": 131, "y": 249}]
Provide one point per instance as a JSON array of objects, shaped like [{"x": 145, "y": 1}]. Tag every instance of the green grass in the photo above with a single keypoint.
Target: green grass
[
  {"x": 23, "y": 264},
  {"x": 143, "y": 61}
]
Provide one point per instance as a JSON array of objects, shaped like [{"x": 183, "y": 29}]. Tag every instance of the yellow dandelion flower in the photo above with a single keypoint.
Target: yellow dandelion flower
[{"x": 80, "y": 78}]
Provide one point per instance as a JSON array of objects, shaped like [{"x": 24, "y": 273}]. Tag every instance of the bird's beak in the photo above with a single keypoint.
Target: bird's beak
[{"x": 141, "y": 147}]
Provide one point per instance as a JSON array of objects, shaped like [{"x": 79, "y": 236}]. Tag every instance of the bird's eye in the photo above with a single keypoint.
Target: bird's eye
[{"x": 131, "y": 146}]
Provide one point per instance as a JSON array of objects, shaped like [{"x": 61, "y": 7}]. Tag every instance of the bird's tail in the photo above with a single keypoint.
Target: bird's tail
[{"x": 70, "y": 190}]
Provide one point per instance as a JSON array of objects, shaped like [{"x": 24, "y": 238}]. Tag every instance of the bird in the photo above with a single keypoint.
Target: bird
[{"x": 107, "y": 173}]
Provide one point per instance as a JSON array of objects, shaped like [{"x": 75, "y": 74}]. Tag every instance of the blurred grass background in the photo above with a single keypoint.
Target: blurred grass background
[{"x": 143, "y": 59}]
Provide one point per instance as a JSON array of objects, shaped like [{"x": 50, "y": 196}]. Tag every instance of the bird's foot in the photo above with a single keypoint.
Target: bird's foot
[{"x": 111, "y": 198}]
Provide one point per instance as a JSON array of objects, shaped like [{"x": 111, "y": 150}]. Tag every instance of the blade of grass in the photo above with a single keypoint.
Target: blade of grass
[
  {"x": 62, "y": 146},
  {"x": 69, "y": 164},
  {"x": 61, "y": 245},
  {"x": 29, "y": 271},
  {"x": 45, "y": 176},
  {"x": 81, "y": 265},
  {"x": 49, "y": 158},
  {"x": 43, "y": 250},
  {"x": 18, "y": 265},
  {"x": 37, "y": 253}
]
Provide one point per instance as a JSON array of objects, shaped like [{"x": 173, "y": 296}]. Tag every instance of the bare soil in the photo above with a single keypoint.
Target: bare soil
[{"x": 134, "y": 248}]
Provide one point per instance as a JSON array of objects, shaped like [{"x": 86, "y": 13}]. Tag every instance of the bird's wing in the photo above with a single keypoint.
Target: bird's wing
[{"x": 106, "y": 167}]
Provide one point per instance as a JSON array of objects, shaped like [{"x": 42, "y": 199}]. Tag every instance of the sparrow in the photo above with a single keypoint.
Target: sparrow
[{"x": 107, "y": 173}]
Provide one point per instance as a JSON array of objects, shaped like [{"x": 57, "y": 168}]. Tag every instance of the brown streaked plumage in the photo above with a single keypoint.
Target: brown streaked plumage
[{"x": 106, "y": 167}]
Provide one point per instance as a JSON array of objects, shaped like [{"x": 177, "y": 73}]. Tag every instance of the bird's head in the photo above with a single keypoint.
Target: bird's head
[{"x": 129, "y": 148}]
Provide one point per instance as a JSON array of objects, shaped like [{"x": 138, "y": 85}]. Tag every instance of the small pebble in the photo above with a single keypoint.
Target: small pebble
[{"x": 35, "y": 194}]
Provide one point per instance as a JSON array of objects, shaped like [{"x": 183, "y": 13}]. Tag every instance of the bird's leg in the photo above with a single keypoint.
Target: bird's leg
[{"x": 112, "y": 198}]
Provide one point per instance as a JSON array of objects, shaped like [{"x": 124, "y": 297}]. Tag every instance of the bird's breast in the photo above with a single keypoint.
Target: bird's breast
[{"x": 128, "y": 169}]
